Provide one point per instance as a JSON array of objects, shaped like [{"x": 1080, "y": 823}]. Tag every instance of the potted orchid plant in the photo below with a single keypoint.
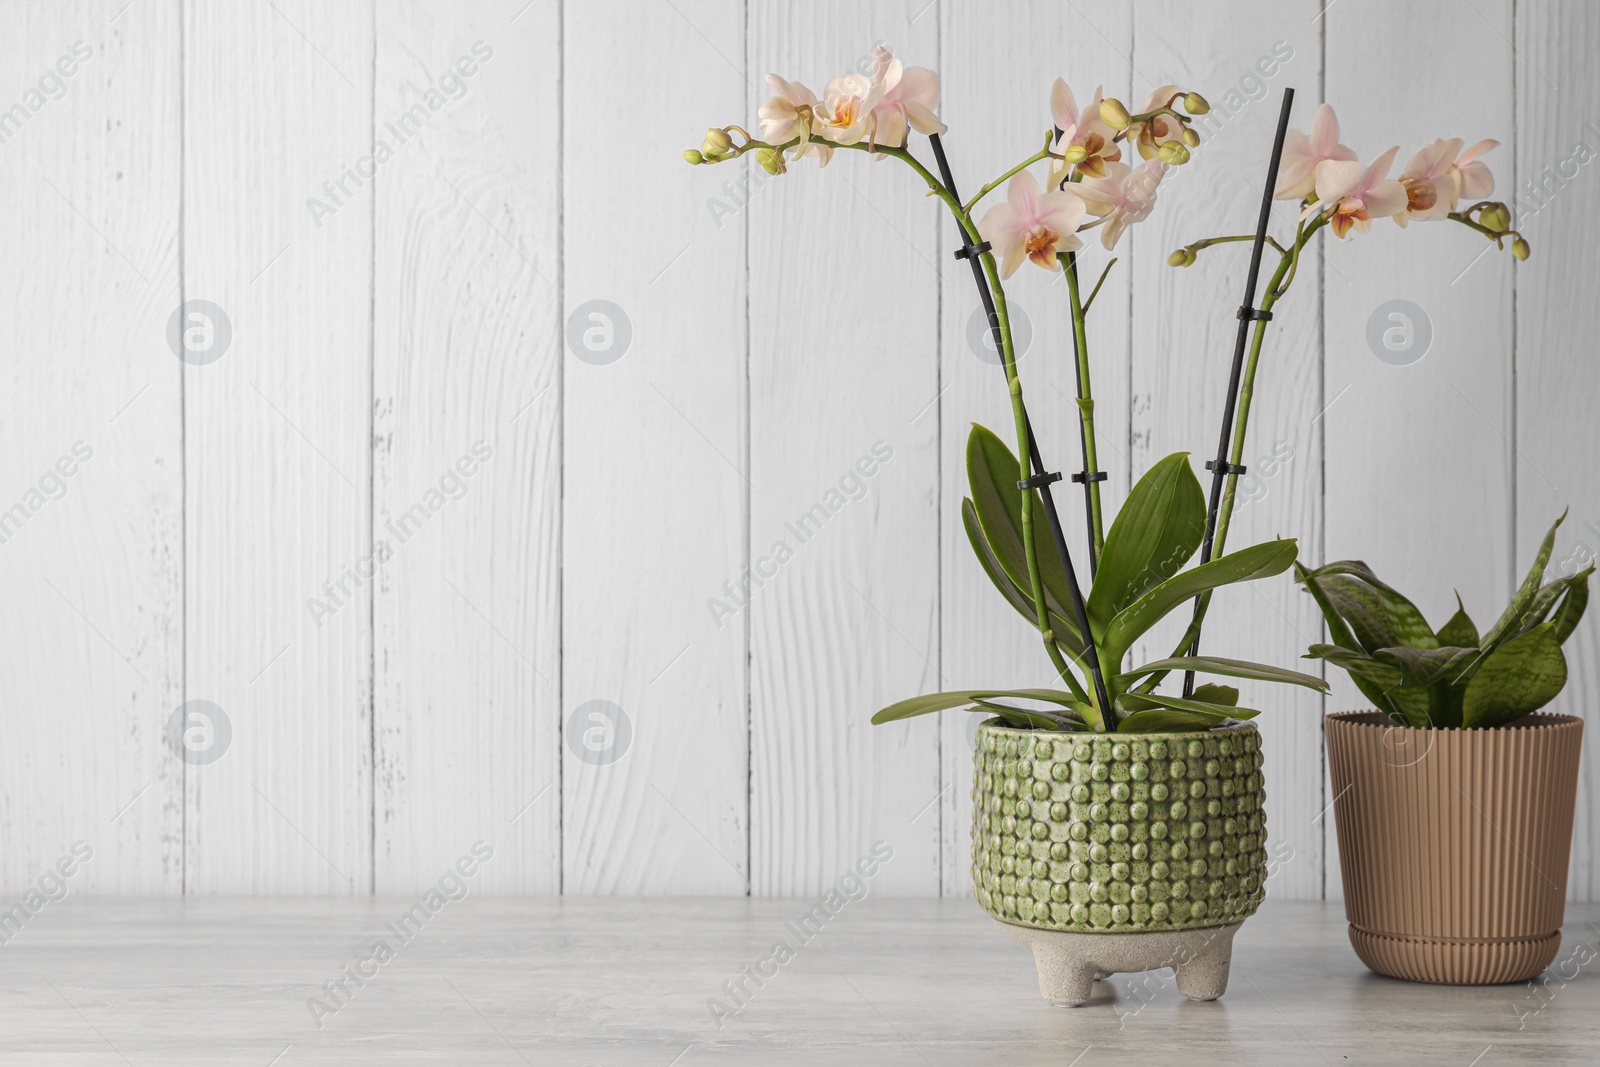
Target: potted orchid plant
[{"x": 1117, "y": 826}]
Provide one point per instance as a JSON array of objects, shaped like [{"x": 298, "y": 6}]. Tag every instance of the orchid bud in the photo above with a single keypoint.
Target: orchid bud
[
  {"x": 1520, "y": 249},
  {"x": 1189, "y": 260},
  {"x": 716, "y": 142},
  {"x": 1173, "y": 152},
  {"x": 1195, "y": 104},
  {"x": 1191, "y": 137},
  {"x": 693, "y": 158},
  {"x": 771, "y": 161},
  {"x": 1180, "y": 258},
  {"x": 1075, "y": 154},
  {"x": 1115, "y": 115},
  {"x": 1492, "y": 218}
]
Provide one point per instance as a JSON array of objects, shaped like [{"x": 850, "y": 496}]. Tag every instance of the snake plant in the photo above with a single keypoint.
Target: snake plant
[{"x": 1452, "y": 677}]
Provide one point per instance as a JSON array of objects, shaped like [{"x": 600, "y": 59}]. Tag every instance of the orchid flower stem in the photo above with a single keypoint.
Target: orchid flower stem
[
  {"x": 1086, "y": 436},
  {"x": 1089, "y": 303},
  {"x": 1288, "y": 265},
  {"x": 994, "y": 298},
  {"x": 1019, "y": 168},
  {"x": 1494, "y": 235},
  {"x": 1209, "y": 241},
  {"x": 993, "y": 294}
]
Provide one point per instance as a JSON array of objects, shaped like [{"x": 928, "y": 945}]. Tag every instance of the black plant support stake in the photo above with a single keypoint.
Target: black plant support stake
[
  {"x": 1220, "y": 467},
  {"x": 1041, "y": 477}
]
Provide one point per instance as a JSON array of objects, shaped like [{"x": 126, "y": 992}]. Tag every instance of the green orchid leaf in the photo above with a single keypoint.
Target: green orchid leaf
[
  {"x": 1520, "y": 676},
  {"x": 1257, "y": 561},
  {"x": 1211, "y": 693},
  {"x": 992, "y": 475},
  {"x": 1460, "y": 630},
  {"x": 1380, "y": 616},
  {"x": 1024, "y": 718},
  {"x": 1161, "y": 720},
  {"x": 923, "y": 705},
  {"x": 1230, "y": 668},
  {"x": 932, "y": 702},
  {"x": 1157, "y": 530},
  {"x": 1066, "y": 632},
  {"x": 1510, "y": 620},
  {"x": 1136, "y": 702}
]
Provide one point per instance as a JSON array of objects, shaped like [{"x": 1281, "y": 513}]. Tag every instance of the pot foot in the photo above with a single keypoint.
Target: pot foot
[{"x": 1070, "y": 963}]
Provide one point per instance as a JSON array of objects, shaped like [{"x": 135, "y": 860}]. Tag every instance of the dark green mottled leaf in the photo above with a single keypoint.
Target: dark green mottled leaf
[
  {"x": 1520, "y": 676},
  {"x": 1379, "y": 616},
  {"x": 1460, "y": 631},
  {"x": 1422, "y": 667},
  {"x": 1379, "y": 683},
  {"x": 1338, "y": 629},
  {"x": 1572, "y": 605},
  {"x": 1510, "y": 620},
  {"x": 1552, "y": 597}
]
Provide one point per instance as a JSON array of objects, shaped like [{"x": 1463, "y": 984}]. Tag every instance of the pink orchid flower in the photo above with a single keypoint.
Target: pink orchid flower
[
  {"x": 782, "y": 119},
  {"x": 1474, "y": 181},
  {"x": 909, "y": 98},
  {"x": 1302, "y": 153},
  {"x": 1085, "y": 129},
  {"x": 1430, "y": 184},
  {"x": 845, "y": 116},
  {"x": 1032, "y": 225},
  {"x": 1123, "y": 197},
  {"x": 1355, "y": 195}
]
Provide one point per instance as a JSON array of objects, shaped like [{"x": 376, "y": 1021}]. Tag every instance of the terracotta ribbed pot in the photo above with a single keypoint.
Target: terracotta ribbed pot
[{"x": 1454, "y": 844}]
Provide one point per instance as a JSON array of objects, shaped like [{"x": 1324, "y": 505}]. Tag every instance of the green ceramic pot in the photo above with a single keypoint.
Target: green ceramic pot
[{"x": 1118, "y": 833}]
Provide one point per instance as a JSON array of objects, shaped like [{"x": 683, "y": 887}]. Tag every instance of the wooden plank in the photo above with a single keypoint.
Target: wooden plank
[
  {"x": 843, "y": 398},
  {"x": 1419, "y": 464},
  {"x": 997, "y": 104},
  {"x": 1557, "y": 201},
  {"x": 91, "y": 504},
  {"x": 466, "y": 378},
  {"x": 655, "y": 781},
  {"x": 277, "y": 443},
  {"x": 1184, "y": 334}
]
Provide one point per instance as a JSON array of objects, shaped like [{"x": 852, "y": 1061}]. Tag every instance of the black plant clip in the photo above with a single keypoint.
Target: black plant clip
[
  {"x": 1249, "y": 314},
  {"x": 1040, "y": 480},
  {"x": 1226, "y": 468},
  {"x": 1085, "y": 477},
  {"x": 973, "y": 251}
]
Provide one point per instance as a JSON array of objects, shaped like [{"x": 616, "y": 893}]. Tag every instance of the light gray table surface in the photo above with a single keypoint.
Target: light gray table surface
[{"x": 618, "y": 981}]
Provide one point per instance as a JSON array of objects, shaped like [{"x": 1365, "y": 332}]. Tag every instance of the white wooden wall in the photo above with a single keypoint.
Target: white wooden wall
[{"x": 771, "y": 341}]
